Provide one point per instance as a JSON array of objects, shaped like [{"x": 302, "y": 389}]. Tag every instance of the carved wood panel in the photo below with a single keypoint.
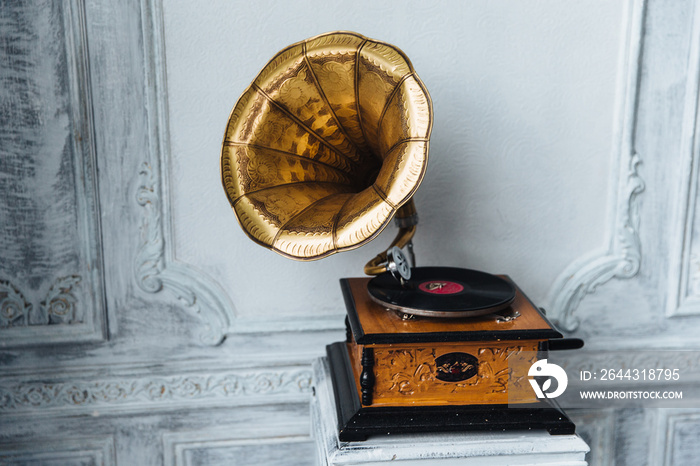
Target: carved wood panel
[{"x": 470, "y": 373}]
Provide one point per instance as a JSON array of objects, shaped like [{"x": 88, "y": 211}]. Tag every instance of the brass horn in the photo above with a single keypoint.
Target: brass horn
[{"x": 327, "y": 144}]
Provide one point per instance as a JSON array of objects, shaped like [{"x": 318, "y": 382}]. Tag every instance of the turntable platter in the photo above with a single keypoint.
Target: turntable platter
[{"x": 443, "y": 292}]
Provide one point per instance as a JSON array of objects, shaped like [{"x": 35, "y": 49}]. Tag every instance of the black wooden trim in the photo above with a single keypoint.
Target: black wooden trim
[
  {"x": 543, "y": 349},
  {"x": 430, "y": 337},
  {"x": 347, "y": 401},
  {"x": 560, "y": 344},
  {"x": 357, "y": 422},
  {"x": 348, "y": 330},
  {"x": 367, "y": 376},
  {"x": 352, "y": 310}
]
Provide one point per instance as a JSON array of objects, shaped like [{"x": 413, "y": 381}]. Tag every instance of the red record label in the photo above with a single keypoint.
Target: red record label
[{"x": 440, "y": 287}]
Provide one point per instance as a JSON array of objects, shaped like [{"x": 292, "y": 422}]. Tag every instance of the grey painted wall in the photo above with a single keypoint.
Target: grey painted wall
[{"x": 137, "y": 325}]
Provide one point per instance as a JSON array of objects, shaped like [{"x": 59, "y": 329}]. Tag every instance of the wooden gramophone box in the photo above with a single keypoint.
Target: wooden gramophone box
[{"x": 425, "y": 374}]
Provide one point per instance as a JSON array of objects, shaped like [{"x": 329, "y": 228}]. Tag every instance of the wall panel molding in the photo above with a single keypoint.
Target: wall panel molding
[
  {"x": 281, "y": 444},
  {"x": 676, "y": 432},
  {"x": 90, "y": 391},
  {"x": 154, "y": 272},
  {"x": 51, "y": 276},
  {"x": 622, "y": 258},
  {"x": 597, "y": 428},
  {"x": 155, "y": 267},
  {"x": 684, "y": 273},
  {"x": 62, "y": 450}
]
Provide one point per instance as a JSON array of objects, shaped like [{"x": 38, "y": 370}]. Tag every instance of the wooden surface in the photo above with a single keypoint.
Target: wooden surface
[
  {"x": 376, "y": 320},
  {"x": 405, "y": 375},
  {"x": 405, "y": 372},
  {"x": 464, "y": 449}
]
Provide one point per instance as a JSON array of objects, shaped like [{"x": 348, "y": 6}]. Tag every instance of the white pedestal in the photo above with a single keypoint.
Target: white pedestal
[{"x": 463, "y": 448}]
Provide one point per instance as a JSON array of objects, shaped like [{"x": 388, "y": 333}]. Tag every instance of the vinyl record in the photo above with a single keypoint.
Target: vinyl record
[{"x": 443, "y": 292}]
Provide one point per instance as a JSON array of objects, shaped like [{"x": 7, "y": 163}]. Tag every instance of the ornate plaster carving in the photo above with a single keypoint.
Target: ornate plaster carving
[
  {"x": 154, "y": 272},
  {"x": 623, "y": 256},
  {"x": 14, "y": 309},
  {"x": 107, "y": 394},
  {"x": 57, "y": 308},
  {"x": 154, "y": 267}
]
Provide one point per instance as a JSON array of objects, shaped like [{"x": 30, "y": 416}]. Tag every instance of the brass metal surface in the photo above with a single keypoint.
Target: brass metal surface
[{"x": 326, "y": 144}]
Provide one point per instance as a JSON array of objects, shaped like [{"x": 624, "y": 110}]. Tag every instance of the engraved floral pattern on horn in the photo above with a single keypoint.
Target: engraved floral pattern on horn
[{"x": 306, "y": 141}]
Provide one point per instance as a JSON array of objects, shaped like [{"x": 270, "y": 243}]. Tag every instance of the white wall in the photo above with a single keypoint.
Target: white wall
[{"x": 524, "y": 102}]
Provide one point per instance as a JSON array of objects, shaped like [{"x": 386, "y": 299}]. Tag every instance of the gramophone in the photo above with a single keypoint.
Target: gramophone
[{"x": 322, "y": 150}]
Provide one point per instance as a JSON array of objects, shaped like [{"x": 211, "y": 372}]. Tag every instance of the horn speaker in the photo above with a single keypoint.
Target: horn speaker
[{"x": 326, "y": 145}]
